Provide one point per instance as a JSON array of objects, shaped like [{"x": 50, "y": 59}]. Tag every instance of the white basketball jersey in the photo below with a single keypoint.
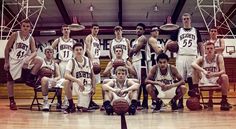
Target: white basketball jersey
[
  {"x": 50, "y": 65},
  {"x": 216, "y": 42},
  {"x": 65, "y": 49},
  {"x": 167, "y": 78},
  {"x": 210, "y": 67},
  {"x": 150, "y": 52},
  {"x": 187, "y": 41},
  {"x": 95, "y": 48},
  {"x": 20, "y": 48},
  {"x": 120, "y": 44},
  {"x": 137, "y": 56},
  {"x": 82, "y": 71},
  {"x": 121, "y": 86}
]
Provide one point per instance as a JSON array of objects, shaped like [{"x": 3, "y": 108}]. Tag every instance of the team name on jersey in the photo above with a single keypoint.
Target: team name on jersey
[
  {"x": 211, "y": 69},
  {"x": 83, "y": 74},
  {"x": 64, "y": 46},
  {"x": 165, "y": 81},
  {"x": 191, "y": 36},
  {"x": 122, "y": 46},
  {"x": 21, "y": 46}
]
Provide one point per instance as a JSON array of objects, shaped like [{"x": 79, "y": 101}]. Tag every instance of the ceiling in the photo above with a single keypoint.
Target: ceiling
[{"x": 108, "y": 13}]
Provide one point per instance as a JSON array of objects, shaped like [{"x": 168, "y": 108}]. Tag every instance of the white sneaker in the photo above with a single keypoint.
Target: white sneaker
[{"x": 45, "y": 105}]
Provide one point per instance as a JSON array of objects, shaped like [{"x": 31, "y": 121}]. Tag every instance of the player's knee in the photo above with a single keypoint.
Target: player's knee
[
  {"x": 224, "y": 76},
  {"x": 149, "y": 87},
  {"x": 183, "y": 89},
  {"x": 44, "y": 80}
]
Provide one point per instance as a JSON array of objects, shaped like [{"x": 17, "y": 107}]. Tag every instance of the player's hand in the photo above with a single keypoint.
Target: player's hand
[
  {"x": 123, "y": 91},
  {"x": 160, "y": 84},
  {"x": 92, "y": 91},
  {"x": 117, "y": 91},
  {"x": 6, "y": 66},
  {"x": 205, "y": 72},
  {"x": 210, "y": 74},
  {"x": 167, "y": 87},
  {"x": 81, "y": 86}
]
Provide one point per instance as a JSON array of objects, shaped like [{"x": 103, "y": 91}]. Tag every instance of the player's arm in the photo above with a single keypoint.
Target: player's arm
[
  {"x": 132, "y": 86},
  {"x": 128, "y": 44},
  {"x": 142, "y": 41},
  {"x": 8, "y": 47},
  {"x": 57, "y": 72},
  {"x": 222, "y": 46},
  {"x": 88, "y": 41},
  {"x": 150, "y": 77},
  {"x": 153, "y": 43},
  {"x": 55, "y": 43},
  {"x": 173, "y": 38},
  {"x": 68, "y": 72},
  {"x": 33, "y": 49},
  {"x": 221, "y": 66},
  {"x": 176, "y": 74},
  {"x": 196, "y": 65},
  {"x": 200, "y": 43},
  {"x": 131, "y": 69},
  {"x": 107, "y": 70},
  {"x": 108, "y": 86}
]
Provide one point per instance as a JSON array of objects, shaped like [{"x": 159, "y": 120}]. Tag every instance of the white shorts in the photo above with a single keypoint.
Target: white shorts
[
  {"x": 183, "y": 65},
  {"x": 138, "y": 65},
  {"x": 62, "y": 67},
  {"x": 58, "y": 83},
  {"x": 169, "y": 94},
  {"x": 115, "y": 97},
  {"x": 83, "y": 97},
  {"x": 16, "y": 67},
  {"x": 208, "y": 81}
]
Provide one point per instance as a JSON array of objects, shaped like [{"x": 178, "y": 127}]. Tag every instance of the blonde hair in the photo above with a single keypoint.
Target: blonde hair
[
  {"x": 121, "y": 68},
  {"x": 187, "y": 14}
]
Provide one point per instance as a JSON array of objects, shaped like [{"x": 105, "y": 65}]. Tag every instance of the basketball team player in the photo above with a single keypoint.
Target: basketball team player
[
  {"x": 190, "y": 45},
  {"x": 219, "y": 42},
  {"x": 121, "y": 42},
  {"x": 209, "y": 70},
  {"x": 21, "y": 59},
  {"x": 153, "y": 48},
  {"x": 121, "y": 87},
  {"x": 80, "y": 80},
  {"x": 93, "y": 51},
  {"x": 110, "y": 68},
  {"x": 64, "y": 45},
  {"x": 164, "y": 81},
  {"x": 138, "y": 54},
  {"x": 50, "y": 81}
]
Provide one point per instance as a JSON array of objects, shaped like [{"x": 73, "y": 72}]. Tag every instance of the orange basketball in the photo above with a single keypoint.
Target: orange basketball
[
  {"x": 120, "y": 106},
  {"x": 172, "y": 47},
  {"x": 193, "y": 103},
  {"x": 118, "y": 62},
  {"x": 45, "y": 71},
  {"x": 96, "y": 68}
]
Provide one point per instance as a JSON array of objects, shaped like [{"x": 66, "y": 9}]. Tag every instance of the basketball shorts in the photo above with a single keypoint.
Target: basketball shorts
[{"x": 183, "y": 65}]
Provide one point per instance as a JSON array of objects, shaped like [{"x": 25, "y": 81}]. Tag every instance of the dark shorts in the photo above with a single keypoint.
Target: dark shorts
[{"x": 25, "y": 73}]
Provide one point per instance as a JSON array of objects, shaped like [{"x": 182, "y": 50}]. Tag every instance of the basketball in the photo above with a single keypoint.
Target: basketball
[
  {"x": 118, "y": 62},
  {"x": 96, "y": 68},
  {"x": 193, "y": 103},
  {"x": 120, "y": 106},
  {"x": 45, "y": 71},
  {"x": 172, "y": 47}
]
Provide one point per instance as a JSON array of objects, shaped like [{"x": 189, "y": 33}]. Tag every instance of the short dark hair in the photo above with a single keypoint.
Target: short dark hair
[
  {"x": 25, "y": 21},
  {"x": 78, "y": 44},
  {"x": 64, "y": 25},
  {"x": 142, "y": 25},
  {"x": 209, "y": 43},
  {"x": 94, "y": 25},
  {"x": 162, "y": 56}
]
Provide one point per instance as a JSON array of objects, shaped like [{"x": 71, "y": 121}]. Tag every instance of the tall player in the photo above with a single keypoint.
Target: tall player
[
  {"x": 219, "y": 43},
  {"x": 79, "y": 77},
  {"x": 93, "y": 52},
  {"x": 64, "y": 45},
  {"x": 20, "y": 58},
  {"x": 190, "y": 44},
  {"x": 138, "y": 54},
  {"x": 153, "y": 48},
  {"x": 121, "y": 42},
  {"x": 161, "y": 83},
  {"x": 210, "y": 69}
]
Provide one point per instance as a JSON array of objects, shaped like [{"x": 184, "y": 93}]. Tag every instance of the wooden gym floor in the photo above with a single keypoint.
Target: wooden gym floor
[{"x": 23, "y": 118}]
